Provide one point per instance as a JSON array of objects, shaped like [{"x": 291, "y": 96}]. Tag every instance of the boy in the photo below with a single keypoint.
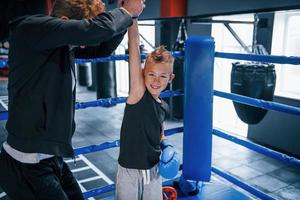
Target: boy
[
  {"x": 142, "y": 130},
  {"x": 41, "y": 92}
]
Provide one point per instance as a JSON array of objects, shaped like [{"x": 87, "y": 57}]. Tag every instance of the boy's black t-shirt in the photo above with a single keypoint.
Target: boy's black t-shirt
[{"x": 140, "y": 133}]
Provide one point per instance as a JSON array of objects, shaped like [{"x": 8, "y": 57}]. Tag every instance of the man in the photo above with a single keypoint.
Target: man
[{"x": 42, "y": 92}]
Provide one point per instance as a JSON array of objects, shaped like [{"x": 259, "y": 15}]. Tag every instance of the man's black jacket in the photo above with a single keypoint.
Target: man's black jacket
[{"x": 41, "y": 100}]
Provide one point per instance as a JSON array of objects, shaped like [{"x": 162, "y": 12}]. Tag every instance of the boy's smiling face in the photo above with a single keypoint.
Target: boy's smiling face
[{"x": 157, "y": 76}]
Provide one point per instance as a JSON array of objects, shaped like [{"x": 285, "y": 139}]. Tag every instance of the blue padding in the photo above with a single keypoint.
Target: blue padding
[
  {"x": 99, "y": 191},
  {"x": 258, "y": 148},
  {"x": 259, "y": 103},
  {"x": 198, "y": 99},
  {"x": 239, "y": 183},
  {"x": 261, "y": 58}
]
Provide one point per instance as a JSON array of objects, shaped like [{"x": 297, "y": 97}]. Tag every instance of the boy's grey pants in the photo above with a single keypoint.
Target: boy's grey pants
[{"x": 135, "y": 184}]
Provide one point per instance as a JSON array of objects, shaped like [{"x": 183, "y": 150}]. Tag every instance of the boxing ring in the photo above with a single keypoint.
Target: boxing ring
[{"x": 198, "y": 124}]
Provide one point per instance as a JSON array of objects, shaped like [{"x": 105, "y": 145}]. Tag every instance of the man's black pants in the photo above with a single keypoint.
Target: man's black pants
[{"x": 50, "y": 179}]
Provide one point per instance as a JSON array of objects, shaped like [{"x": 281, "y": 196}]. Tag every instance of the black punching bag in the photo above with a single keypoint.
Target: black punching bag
[
  {"x": 106, "y": 83},
  {"x": 256, "y": 81},
  {"x": 178, "y": 83},
  {"x": 82, "y": 75}
]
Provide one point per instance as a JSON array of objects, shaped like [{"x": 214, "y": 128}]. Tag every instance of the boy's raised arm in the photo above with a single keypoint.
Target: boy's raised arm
[{"x": 137, "y": 86}]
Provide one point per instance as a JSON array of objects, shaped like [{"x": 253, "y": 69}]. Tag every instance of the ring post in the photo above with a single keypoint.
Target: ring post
[{"x": 198, "y": 107}]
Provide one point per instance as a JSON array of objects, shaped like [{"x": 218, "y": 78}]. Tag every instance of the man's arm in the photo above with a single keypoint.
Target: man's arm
[
  {"x": 137, "y": 87},
  {"x": 48, "y": 32},
  {"x": 103, "y": 50}
]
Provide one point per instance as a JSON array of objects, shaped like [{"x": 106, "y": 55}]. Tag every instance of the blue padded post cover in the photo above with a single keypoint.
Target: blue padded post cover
[{"x": 198, "y": 106}]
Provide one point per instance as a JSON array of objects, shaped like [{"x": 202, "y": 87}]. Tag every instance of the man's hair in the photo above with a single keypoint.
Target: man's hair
[
  {"x": 160, "y": 55},
  {"x": 78, "y": 9}
]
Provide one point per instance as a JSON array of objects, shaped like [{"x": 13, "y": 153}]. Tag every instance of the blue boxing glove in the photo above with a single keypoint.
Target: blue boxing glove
[{"x": 169, "y": 161}]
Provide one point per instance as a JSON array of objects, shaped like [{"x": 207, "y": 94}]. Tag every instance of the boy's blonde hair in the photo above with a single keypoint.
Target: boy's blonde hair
[
  {"x": 78, "y": 9},
  {"x": 160, "y": 55}
]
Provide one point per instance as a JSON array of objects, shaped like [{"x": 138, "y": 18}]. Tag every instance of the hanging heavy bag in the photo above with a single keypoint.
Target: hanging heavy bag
[
  {"x": 106, "y": 83},
  {"x": 254, "y": 80},
  {"x": 83, "y": 75}
]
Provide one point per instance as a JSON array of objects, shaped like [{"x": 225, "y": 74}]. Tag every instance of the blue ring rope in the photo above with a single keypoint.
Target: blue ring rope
[
  {"x": 259, "y": 103},
  {"x": 100, "y": 102},
  {"x": 113, "y": 101},
  {"x": 239, "y": 183},
  {"x": 116, "y": 143},
  {"x": 119, "y": 57},
  {"x": 258, "y": 148},
  {"x": 106, "y": 59},
  {"x": 293, "y": 60},
  {"x": 99, "y": 191},
  {"x": 106, "y": 102},
  {"x": 179, "y": 54},
  {"x": 96, "y": 147},
  {"x": 235, "y": 97},
  {"x": 173, "y": 131}
]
